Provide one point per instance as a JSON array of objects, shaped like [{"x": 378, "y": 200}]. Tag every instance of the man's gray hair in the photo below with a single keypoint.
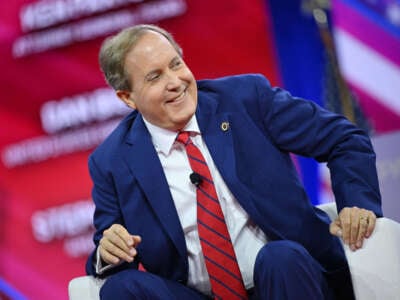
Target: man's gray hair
[{"x": 115, "y": 48}]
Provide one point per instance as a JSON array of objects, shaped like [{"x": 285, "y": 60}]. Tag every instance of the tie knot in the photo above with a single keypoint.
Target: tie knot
[{"x": 183, "y": 137}]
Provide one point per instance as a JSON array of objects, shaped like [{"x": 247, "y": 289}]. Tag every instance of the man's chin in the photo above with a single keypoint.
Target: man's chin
[{"x": 178, "y": 125}]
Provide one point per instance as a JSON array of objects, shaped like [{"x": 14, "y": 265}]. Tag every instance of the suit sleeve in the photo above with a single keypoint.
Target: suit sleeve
[
  {"x": 302, "y": 127},
  {"x": 106, "y": 213}
]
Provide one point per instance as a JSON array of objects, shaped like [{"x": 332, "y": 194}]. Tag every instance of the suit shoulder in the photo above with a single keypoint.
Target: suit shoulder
[
  {"x": 233, "y": 81},
  {"x": 235, "y": 93},
  {"x": 117, "y": 136}
]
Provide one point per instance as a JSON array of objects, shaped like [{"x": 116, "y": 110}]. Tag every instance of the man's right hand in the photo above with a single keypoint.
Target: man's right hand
[{"x": 118, "y": 244}]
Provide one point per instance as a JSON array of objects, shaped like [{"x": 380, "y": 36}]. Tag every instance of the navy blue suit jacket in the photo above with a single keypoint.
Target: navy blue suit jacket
[{"x": 265, "y": 125}]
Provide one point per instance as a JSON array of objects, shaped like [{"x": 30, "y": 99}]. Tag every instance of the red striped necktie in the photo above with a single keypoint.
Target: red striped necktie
[{"x": 220, "y": 259}]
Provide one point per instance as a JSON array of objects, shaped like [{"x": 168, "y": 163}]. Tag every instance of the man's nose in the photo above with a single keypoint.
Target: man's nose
[{"x": 174, "y": 81}]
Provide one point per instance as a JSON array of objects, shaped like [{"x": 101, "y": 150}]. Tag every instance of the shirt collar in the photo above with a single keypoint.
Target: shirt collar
[{"x": 163, "y": 139}]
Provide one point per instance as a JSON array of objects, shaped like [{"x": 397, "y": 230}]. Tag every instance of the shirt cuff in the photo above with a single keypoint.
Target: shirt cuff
[{"x": 99, "y": 268}]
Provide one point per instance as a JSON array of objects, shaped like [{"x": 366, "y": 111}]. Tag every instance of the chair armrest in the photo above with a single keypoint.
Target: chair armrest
[
  {"x": 375, "y": 268},
  {"x": 330, "y": 209},
  {"x": 85, "y": 287}
]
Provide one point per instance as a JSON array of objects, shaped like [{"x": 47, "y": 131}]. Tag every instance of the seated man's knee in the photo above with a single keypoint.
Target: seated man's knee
[
  {"x": 134, "y": 284},
  {"x": 285, "y": 270},
  {"x": 279, "y": 254},
  {"x": 123, "y": 285}
]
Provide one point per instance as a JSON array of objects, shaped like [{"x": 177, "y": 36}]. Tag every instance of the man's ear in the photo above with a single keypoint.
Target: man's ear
[{"x": 125, "y": 96}]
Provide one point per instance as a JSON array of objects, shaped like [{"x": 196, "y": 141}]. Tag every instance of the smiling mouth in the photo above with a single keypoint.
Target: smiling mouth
[{"x": 177, "y": 99}]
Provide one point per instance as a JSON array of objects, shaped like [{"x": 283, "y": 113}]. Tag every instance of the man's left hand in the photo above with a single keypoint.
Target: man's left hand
[{"x": 353, "y": 225}]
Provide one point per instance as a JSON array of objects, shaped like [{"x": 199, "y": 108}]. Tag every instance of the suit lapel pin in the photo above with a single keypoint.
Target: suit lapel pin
[{"x": 225, "y": 126}]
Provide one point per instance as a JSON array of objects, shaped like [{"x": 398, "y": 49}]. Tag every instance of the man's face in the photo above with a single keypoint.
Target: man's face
[{"x": 164, "y": 90}]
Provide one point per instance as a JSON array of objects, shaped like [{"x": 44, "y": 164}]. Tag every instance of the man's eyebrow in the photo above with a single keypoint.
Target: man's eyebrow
[
  {"x": 174, "y": 59},
  {"x": 158, "y": 70},
  {"x": 152, "y": 72}
]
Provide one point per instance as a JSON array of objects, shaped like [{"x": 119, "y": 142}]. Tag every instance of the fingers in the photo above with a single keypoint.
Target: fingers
[
  {"x": 335, "y": 228},
  {"x": 354, "y": 227},
  {"x": 355, "y": 224},
  {"x": 117, "y": 244},
  {"x": 349, "y": 219},
  {"x": 136, "y": 239},
  {"x": 345, "y": 222},
  {"x": 371, "y": 218},
  {"x": 362, "y": 230},
  {"x": 111, "y": 254},
  {"x": 366, "y": 225}
]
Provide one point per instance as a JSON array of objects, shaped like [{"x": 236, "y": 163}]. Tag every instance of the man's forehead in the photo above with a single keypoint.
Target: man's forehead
[
  {"x": 151, "y": 50},
  {"x": 152, "y": 41}
]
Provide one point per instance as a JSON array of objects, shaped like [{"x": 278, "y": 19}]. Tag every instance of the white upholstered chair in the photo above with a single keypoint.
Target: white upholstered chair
[{"x": 375, "y": 269}]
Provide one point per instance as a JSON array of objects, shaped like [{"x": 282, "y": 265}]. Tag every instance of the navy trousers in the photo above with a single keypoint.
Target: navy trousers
[{"x": 283, "y": 270}]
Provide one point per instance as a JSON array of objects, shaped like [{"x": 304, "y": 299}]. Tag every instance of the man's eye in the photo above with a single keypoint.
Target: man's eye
[
  {"x": 153, "y": 77},
  {"x": 176, "y": 63}
]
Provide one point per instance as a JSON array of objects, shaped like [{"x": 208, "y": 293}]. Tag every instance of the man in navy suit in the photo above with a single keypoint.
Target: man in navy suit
[{"x": 146, "y": 205}]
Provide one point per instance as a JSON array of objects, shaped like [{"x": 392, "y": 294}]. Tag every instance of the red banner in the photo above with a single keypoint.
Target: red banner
[{"x": 56, "y": 108}]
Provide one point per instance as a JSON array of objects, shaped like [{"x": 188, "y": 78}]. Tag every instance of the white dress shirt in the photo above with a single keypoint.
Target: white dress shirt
[{"x": 247, "y": 238}]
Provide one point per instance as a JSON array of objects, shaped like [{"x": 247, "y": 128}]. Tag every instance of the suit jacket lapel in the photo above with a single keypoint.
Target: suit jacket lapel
[
  {"x": 217, "y": 131},
  {"x": 144, "y": 163}
]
